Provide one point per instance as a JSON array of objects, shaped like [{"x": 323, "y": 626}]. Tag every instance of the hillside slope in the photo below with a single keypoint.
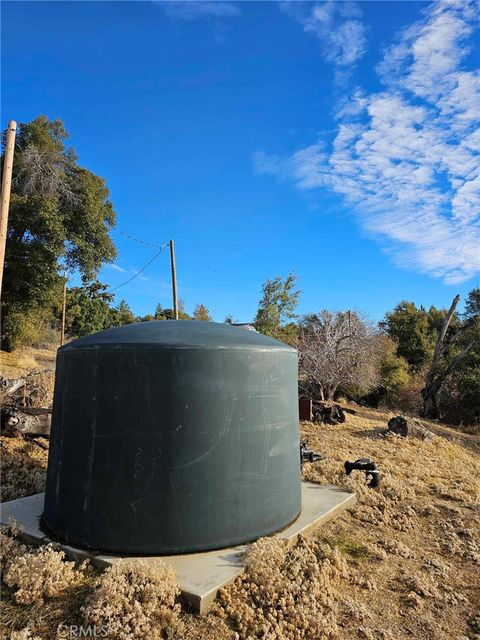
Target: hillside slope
[{"x": 403, "y": 563}]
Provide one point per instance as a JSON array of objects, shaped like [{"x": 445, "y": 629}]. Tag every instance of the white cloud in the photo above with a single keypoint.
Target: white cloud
[
  {"x": 115, "y": 267},
  {"x": 407, "y": 158},
  {"x": 306, "y": 166},
  {"x": 336, "y": 25},
  {"x": 193, "y": 9}
]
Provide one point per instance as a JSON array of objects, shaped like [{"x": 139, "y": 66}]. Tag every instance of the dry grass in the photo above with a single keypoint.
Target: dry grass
[
  {"x": 134, "y": 600},
  {"x": 42, "y": 619},
  {"x": 24, "y": 634},
  {"x": 403, "y": 563},
  {"x": 23, "y": 467},
  {"x": 292, "y": 594},
  {"x": 40, "y": 573},
  {"x": 40, "y": 590},
  {"x": 26, "y": 359}
]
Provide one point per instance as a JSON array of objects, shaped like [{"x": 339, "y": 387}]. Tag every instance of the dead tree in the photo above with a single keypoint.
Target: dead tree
[
  {"x": 334, "y": 349},
  {"x": 437, "y": 376}
]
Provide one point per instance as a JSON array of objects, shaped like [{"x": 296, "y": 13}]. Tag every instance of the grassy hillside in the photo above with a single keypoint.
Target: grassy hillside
[
  {"x": 403, "y": 563},
  {"x": 22, "y": 361}
]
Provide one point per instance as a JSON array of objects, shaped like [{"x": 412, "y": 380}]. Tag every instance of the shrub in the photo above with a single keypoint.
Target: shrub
[
  {"x": 459, "y": 398},
  {"x": 10, "y": 548},
  {"x": 39, "y": 573},
  {"x": 24, "y": 634},
  {"x": 285, "y": 593},
  {"x": 408, "y": 398},
  {"x": 34, "y": 328},
  {"x": 134, "y": 600}
]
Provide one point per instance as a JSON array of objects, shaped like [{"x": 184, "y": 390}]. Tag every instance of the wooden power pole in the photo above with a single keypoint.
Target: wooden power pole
[
  {"x": 174, "y": 280},
  {"x": 6, "y": 188}
]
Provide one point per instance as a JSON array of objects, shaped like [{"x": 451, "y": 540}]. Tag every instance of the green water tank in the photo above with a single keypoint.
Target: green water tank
[{"x": 173, "y": 437}]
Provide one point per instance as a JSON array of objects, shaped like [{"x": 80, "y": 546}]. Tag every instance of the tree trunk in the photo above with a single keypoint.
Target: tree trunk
[
  {"x": 331, "y": 388},
  {"x": 434, "y": 380},
  {"x": 429, "y": 409},
  {"x": 429, "y": 392}
]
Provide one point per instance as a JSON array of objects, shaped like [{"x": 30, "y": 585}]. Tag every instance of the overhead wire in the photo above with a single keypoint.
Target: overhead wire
[
  {"x": 162, "y": 247},
  {"x": 146, "y": 244}
]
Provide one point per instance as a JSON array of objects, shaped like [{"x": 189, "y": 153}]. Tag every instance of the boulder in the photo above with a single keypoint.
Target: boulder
[{"x": 406, "y": 427}]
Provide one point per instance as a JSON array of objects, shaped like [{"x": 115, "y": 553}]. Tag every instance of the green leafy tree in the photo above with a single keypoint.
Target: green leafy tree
[
  {"x": 393, "y": 368},
  {"x": 182, "y": 314},
  {"x": 288, "y": 333},
  {"x": 168, "y": 314},
  {"x": 202, "y": 313},
  {"x": 159, "y": 313},
  {"x": 122, "y": 314},
  {"x": 60, "y": 217},
  {"x": 277, "y": 306},
  {"x": 393, "y": 373},
  {"x": 88, "y": 310},
  {"x": 441, "y": 346},
  {"x": 411, "y": 329},
  {"x": 472, "y": 306},
  {"x": 459, "y": 396},
  {"x": 447, "y": 356}
]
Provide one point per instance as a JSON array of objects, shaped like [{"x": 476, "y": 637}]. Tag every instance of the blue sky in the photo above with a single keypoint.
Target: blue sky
[{"x": 336, "y": 140}]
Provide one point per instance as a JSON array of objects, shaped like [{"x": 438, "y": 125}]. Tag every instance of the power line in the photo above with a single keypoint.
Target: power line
[
  {"x": 146, "y": 244},
  {"x": 162, "y": 247}
]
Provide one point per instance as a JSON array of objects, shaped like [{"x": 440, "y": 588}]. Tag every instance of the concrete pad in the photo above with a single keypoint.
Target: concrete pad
[{"x": 199, "y": 575}]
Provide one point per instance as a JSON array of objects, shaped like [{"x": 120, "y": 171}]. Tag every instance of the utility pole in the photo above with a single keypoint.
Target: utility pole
[
  {"x": 6, "y": 187},
  {"x": 174, "y": 279},
  {"x": 64, "y": 310}
]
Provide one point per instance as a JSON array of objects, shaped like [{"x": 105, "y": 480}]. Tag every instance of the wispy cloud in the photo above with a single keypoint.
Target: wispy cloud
[
  {"x": 194, "y": 9},
  {"x": 115, "y": 267},
  {"x": 337, "y": 25},
  {"x": 407, "y": 157}
]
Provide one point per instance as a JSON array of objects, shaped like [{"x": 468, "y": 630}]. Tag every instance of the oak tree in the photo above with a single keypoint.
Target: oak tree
[{"x": 60, "y": 218}]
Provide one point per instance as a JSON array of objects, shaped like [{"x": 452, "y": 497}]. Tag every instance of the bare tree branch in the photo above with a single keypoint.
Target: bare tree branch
[{"x": 334, "y": 349}]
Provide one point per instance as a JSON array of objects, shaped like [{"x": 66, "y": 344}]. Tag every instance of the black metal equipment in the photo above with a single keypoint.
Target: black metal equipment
[
  {"x": 307, "y": 455},
  {"x": 368, "y": 466}
]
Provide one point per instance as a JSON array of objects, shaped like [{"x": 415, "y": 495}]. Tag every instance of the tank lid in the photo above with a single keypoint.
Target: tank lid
[{"x": 179, "y": 334}]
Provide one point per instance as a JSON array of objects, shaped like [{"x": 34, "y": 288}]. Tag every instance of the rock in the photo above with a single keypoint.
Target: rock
[{"x": 405, "y": 427}]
